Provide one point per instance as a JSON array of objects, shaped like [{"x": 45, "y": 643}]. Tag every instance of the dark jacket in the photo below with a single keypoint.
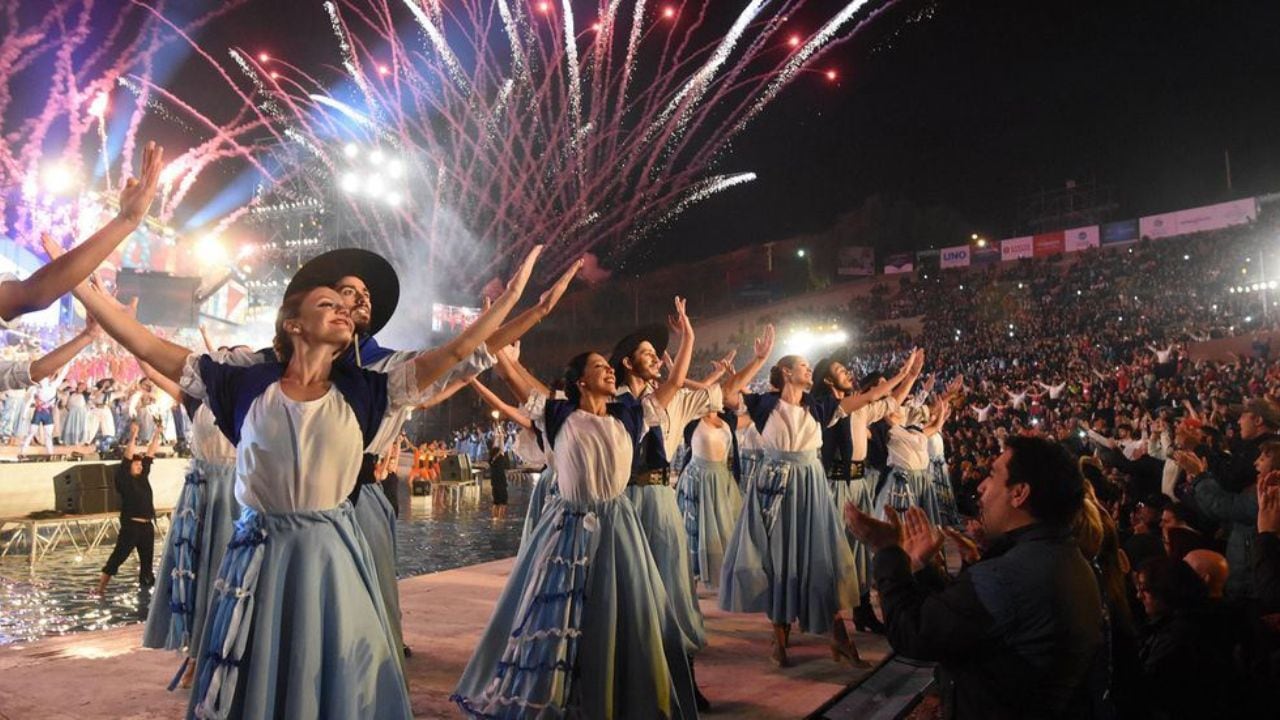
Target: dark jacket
[
  {"x": 1237, "y": 512},
  {"x": 1266, "y": 572},
  {"x": 1017, "y": 635}
]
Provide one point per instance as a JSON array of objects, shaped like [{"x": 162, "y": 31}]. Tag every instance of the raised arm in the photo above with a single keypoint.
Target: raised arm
[
  {"x": 56, "y": 360},
  {"x": 492, "y": 400},
  {"x": 519, "y": 379},
  {"x": 431, "y": 365},
  {"x": 675, "y": 380},
  {"x": 168, "y": 386},
  {"x": 449, "y": 391},
  {"x": 516, "y": 328},
  {"x": 736, "y": 382},
  {"x": 132, "y": 447},
  {"x": 204, "y": 335},
  {"x": 941, "y": 412},
  {"x": 155, "y": 437},
  {"x": 720, "y": 368},
  {"x": 60, "y": 275},
  {"x": 906, "y": 378}
]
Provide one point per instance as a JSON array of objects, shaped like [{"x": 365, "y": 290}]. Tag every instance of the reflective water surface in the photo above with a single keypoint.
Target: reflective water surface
[{"x": 56, "y": 599}]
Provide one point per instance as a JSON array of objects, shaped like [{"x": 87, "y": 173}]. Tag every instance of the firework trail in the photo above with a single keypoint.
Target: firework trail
[
  {"x": 76, "y": 77},
  {"x": 529, "y": 121}
]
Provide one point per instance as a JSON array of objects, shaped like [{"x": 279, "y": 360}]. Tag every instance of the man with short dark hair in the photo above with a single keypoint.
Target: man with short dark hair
[
  {"x": 1259, "y": 421},
  {"x": 1019, "y": 633},
  {"x": 137, "y": 512}
]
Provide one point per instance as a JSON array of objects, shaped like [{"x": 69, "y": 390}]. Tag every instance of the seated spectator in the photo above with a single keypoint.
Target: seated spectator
[
  {"x": 1017, "y": 634},
  {"x": 1212, "y": 569}
]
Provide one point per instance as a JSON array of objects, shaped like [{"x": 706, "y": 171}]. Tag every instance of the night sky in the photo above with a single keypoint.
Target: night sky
[
  {"x": 972, "y": 105},
  {"x": 990, "y": 101}
]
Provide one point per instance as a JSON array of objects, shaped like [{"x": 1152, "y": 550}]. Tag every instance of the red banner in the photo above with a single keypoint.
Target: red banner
[{"x": 1049, "y": 244}]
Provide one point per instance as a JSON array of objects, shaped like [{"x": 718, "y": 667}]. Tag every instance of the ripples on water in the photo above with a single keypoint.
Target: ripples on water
[{"x": 55, "y": 600}]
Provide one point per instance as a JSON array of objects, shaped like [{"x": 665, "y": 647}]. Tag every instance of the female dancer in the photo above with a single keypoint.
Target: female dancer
[
  {"x": 584, "y": 625},
  {"x": 909, "y": 481},
  {"x": 707, "y": 490},
  {"x": 788, "y": 557},
  {"x": 298, "y": 628},
  {"x": 75, "y": 426}
]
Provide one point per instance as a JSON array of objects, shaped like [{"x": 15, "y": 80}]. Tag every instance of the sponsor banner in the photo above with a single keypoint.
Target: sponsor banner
[
  {"x": 1118, "y": 233},
  {"x": 985, "y": 256},
  {"x": 1209, "y": 217},
  {"x": 857, "y": 260},
  {"x": 954, "y": 257},
  {"x": 1046, "y": 244},
  {"x": 1017, "y": 248},
  {"x": 1081, "y": 238},
  {"x": 899, "y": 263}
]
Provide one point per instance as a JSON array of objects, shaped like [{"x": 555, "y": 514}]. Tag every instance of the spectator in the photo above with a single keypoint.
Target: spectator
[{"x": 1019, "y": 633}]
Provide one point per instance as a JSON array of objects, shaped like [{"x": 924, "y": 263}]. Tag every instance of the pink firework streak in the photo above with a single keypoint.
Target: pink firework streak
[
  {"x": 527, "y": 121},
  {"x": 100, "y": 54}
]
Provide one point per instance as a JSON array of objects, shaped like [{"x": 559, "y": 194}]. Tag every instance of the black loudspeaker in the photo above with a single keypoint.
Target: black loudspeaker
[
  {"x": 163, "y": 299},
  {"x": 86, "y": 489},
  {"x": 455, "y": 468}
]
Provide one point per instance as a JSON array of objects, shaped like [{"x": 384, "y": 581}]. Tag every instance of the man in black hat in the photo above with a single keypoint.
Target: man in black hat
[{"x": 637, "y": 364}]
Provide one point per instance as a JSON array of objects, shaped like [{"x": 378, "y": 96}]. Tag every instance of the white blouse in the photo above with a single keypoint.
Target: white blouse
[
  {"x": 593, "y": 453},
  {"x": 687, "y": 406},
  {"x": 908, "y": 449},
  {"x": 207, "y": 441},
  {"x": 749, "y": 439},
  {"x": 860, "y": 422},
  {"x": 712, "y": 443},
  {"x": 389, "y": 431},
  {"x": 791, "y": 428},
  {"x": 298, "y": 455}
]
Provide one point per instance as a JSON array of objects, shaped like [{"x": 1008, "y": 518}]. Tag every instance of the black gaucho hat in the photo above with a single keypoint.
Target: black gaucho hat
[
  {"x": 372, "y": 269},
  {"x": 655, "y": 335}
]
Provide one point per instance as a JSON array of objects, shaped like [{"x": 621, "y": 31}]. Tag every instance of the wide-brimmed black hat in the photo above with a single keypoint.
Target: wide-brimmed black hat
[
  {"x": 372, "y": 269},
  {"x": 655, "y": 335}
]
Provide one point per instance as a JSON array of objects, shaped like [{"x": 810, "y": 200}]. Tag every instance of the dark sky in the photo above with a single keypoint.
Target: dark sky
[
  {"x": 973, "y": 104},
  {"x": 990, "y": 101}
]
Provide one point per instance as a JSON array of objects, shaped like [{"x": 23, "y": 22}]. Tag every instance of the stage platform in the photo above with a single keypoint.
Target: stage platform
[
  {"x": 27, "y": 487},
  {"x": 444, "y": 614}
]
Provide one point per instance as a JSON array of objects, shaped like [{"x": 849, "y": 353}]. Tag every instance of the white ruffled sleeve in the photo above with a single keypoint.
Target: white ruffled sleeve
[
  {"x": 191, "y": 382},
  {"x": 15, "y": 375},
  {"x": 535, "y": 408}
]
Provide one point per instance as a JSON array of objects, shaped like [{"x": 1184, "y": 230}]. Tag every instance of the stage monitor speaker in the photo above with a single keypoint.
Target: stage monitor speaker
[
  {"x": 86, "y": 489},
  {"x": 455, "y": 468},
  {"x": 163, "y": 299}
]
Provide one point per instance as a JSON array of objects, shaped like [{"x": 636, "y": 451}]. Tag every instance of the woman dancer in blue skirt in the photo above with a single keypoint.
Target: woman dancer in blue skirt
[
  {"x": 788, "y": 556},
  {"x": 299, "y": 628},
  {"x": 585, "y": 626}
]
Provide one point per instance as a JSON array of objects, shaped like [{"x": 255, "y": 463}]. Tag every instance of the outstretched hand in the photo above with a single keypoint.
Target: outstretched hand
[
  {"x": 875, "y": 534},
  {"x": 137, "y": 193},
  {"x": 764, "y": 343},
  {"x": 516, "y": 285},
  {"x": 547, "y": 302}
]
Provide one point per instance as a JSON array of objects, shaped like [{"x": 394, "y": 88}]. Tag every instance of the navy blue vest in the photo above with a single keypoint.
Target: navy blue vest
[{"x": 651, "y": 453}]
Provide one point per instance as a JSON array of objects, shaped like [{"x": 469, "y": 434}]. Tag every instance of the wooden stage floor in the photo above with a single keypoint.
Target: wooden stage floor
[{"x": 107, "y": 675}]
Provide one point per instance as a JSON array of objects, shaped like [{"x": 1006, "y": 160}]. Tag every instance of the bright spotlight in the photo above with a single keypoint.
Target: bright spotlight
[
  {"x": 263, "y": 57},
  {"x": 210, "y": 251},
  {"x": 394, "y": 199},
  {"x": 395, "y": 169},
  {"x": 350, "y": 183},
  {"x": 376, "y": 157},
  {"x": 350, "y": 150},
  {"x": 375, "y": 185},
  {"x": 974, "y": 236},
  {"x": 982, "y": 242},
  {"x": 800, "y": 253},
  {"x": 58, "y": 179}
]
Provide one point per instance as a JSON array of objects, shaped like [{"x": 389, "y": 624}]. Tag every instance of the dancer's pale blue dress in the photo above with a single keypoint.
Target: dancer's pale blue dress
[
  {"x": 860, "y": 487},
  {"x": 659, "y": 511},
  {"x": 203, "y": 523},
  {"x": 788, "y": 557},
  {"x": 584, "y": 627},
  {"x": 709, "y": 497},
  {"x": 543, "y": 491},
  {"x": 750, "y": 453},
  {"x": 75, "y": 423},
  {"x": 908, "y": 482},
  {"x": 298, "y": 628}
]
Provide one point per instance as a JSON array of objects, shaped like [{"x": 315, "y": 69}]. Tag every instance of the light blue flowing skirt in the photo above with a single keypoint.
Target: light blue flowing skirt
[
  {"x": 906, "y": 488},
  {"x": 788, "y": 557},
  {"x": 749, "y": 460},
  {"x": 944, "y": 496},
  {"x": 710, "y": 502},
  {"x": 377, "y": 520},
  {"x": 861, "y": 493},
  {"x": 75, "y": 425},
  {"x": 583, "y": 628},
  {"x": 297, "y": 628},
  {"x": 202, "y": 525},
  {"x": 542, "y": 492},
  {"x": 664, "y": 529}
]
